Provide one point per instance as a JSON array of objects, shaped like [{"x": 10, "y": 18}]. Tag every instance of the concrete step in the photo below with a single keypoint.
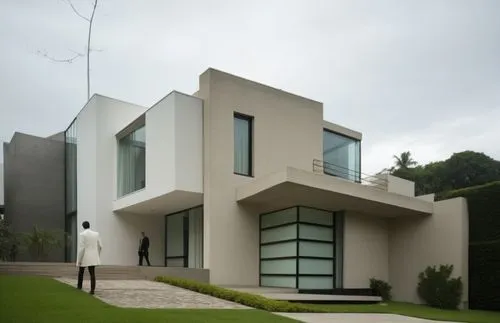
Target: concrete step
[
  {"x": 319, "y": 298},
  {"x": 69, "y": 270},
  {"x": 261, "y": 290}
]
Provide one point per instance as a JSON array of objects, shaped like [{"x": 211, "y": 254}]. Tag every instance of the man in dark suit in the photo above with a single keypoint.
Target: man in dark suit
[{"x": 144, "y": 249}]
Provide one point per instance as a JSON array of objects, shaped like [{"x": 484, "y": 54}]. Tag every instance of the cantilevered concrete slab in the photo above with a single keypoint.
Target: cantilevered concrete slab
[{"x": 299, "y": 187}]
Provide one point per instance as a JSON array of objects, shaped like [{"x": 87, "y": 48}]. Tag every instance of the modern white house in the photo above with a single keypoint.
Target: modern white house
[{"x": 250, "y": 183}]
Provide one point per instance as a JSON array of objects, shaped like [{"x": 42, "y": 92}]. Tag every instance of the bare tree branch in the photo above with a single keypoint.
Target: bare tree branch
[
  {"x": 88, "y": 49},
  {"x": 58, "y": 60},
  {"x": 91, "y": 20},
  {"x": 76, "y": 11}
]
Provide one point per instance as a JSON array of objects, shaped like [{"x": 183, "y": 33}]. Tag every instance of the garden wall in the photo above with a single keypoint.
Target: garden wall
[{"x": 484, "y": 244}]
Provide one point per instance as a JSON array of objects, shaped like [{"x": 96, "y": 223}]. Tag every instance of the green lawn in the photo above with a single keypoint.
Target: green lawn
[
  {"x": 36, "y": 299},
  {"x": 420, "y": 311},
  {"x": 40, "y": 300}
]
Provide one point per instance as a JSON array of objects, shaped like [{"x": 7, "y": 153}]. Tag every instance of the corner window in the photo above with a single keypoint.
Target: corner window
[
  {"x": 243, "y": 144},
  {"x": 341, "y": 156},
  {"x": 132, "y": 162}
]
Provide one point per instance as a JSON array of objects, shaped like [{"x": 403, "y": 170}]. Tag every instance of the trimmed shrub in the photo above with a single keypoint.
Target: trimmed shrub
[
  {"x": 381, "y": 288},
  {"x": 484, "y": 276},
  {"x": 438, "y": 289},
  {"x": 251, "y": 300},
  {"x": 484, "y": 244}
]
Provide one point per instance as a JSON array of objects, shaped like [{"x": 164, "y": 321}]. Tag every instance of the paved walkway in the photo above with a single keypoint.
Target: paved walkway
[
  {"x": 148, "y": 294},
  {"x": 354, "y": 318}
]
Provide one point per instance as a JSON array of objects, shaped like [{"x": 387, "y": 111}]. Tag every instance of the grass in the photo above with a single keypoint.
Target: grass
[
  {"x": 42, "y": 300},
  {"x": 419, "y": 311}
]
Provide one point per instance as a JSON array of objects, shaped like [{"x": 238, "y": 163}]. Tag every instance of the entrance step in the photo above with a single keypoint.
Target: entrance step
[
  {"x": 321, "y": 298},
  {"x": 261, "y": 290},
  {"x": 104, "y": 272},
  {"x": 293, "y": 295},
  {"x": 69, "y": 270}
]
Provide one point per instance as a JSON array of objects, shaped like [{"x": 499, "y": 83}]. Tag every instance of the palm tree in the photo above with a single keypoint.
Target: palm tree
[{"x": 404, "y": 161}]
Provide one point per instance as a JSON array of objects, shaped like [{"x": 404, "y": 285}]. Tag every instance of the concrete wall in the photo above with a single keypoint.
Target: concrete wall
[
  {"x": 400, "y": 186},
  {"x": 366, "y": 245},
  {"x": 98, "y": 123},
  {"x": 34, "y": 186},
  {"x": 288, "y": 131},
  {"x": 174, "y": 152},
  {"x": 189, "y": 143},
  {"x": 417, "y": 243},
  {"x": 200, "y": 275}
]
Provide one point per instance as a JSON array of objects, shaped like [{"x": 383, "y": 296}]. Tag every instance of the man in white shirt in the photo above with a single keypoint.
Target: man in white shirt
[{"x": 89, "y": 252}]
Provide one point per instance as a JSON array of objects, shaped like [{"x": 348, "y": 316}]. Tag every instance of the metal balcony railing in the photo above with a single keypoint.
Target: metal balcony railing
[{"x": 375, "y": 181}]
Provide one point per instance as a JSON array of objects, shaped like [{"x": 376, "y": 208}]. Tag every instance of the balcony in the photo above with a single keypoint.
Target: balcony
[
  {"x": 379, "y": 195},
  {"x": 378, "y": 181}
]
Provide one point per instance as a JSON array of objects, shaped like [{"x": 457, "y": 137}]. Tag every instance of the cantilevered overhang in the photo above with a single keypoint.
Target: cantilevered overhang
[
  {"x": 141, "y": 202},
  {"x": 298, "y": 187}
]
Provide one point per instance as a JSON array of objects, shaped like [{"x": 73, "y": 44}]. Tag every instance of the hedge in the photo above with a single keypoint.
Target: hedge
[
  {"x": 484, "y": 244},
  {"x": 251, "y": 300}
]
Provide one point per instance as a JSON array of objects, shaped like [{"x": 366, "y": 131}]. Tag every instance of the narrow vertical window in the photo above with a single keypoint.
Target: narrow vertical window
[{"x": 243, "y": 144}]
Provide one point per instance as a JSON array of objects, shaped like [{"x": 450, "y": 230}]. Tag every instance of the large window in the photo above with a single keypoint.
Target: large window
[
  {"x": 70, "y": 150},
  {"x": 132, "y": 162},
  {"x": 243, "y": 144},
  {"x": 184, "y": 239},
  {"x": 342, "y": 156},
  {"x": 300, "y": 248},
  {"x": 70, "y": 167}
]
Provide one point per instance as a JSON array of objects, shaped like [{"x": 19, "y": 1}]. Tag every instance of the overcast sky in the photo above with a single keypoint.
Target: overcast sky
[{"x": 414, "y": 75}]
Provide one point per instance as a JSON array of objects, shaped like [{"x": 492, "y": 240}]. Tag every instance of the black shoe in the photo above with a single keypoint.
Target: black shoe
[{"x": 91, "y": 292}]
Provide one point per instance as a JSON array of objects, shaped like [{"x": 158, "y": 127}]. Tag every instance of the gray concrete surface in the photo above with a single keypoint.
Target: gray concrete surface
[
  {"x": 34, "y": 186},
  {"x": 354, "y": 318}
]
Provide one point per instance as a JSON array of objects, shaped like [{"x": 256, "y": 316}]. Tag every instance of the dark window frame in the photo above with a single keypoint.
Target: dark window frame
[
  {"x": 185, "y": 238},
  {"x": 336, "y": 255},
  {"x": 357, "y": 173},
  {"x": 250, "y": 120}
]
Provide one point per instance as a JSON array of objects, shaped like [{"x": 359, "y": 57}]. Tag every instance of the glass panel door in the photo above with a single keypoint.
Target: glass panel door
[
  {"x": 174, "y": 249},
  {"x": 184, "y": 239},
  {"x": 195, "y": 241},
  {"x": 301, "y": 248}
]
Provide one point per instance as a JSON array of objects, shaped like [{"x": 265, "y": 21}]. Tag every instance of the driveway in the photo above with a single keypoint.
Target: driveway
[
  {"x": 148, "y": 294},
  {"x": 354, "y": 318}
]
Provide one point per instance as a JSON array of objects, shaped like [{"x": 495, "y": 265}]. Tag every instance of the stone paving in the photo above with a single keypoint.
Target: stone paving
[
  {"x": 354, "y": 318},
  {"x": 148, "y": 294}
]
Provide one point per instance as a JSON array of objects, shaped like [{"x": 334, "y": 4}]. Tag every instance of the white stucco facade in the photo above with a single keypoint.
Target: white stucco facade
[{"x": 214, "y": 213}]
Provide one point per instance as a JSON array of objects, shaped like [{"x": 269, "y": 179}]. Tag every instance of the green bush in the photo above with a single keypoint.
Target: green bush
[
  {"x": 438, "y": 289},
  {"x": 381, "y": 288},
  {"x": 251, "y": 300}
]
